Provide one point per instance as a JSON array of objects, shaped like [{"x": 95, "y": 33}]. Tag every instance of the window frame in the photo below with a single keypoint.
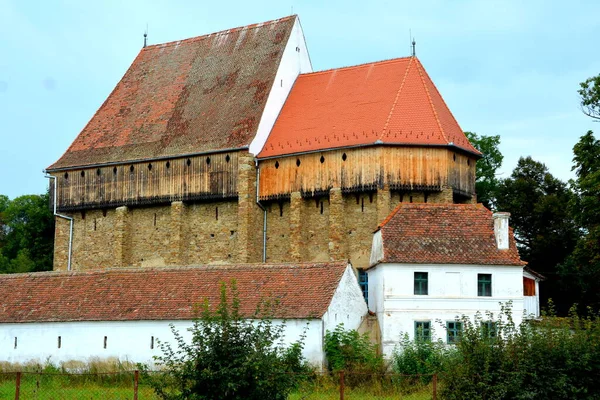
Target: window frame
[
  {"x": 425, "y": 331},
  {"x": 363, "y": 283},
  {"x": 489, "y": 329},
  {"x": 483, "y": 284},
  {"x": 419, "y": 282},
  {"x": 456, "y": 331}
]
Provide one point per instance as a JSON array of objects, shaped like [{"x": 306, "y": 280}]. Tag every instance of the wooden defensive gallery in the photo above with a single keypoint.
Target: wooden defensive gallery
[{"x": 228, "y": 150}]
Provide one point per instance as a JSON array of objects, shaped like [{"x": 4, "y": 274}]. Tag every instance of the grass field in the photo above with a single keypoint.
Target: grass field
[{"x": 55, "y": 390}]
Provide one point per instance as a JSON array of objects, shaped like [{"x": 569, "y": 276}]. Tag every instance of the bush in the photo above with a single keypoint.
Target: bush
[
  {"x": 229, "y": 357},
  {"x": 421, "y": 357},
  {"x": 555, "y": 358},
  {"x": 352, "y": 352}
]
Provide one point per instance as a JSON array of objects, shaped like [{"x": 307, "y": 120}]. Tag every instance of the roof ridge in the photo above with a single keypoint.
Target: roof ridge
[
  {"x": 218, "y": 33},
  {"x": 387, "y": 61},
  {"x": 387, "y": 121},
  {"x": 174, "y": 268},
  {"x": 437, "y": 119}
]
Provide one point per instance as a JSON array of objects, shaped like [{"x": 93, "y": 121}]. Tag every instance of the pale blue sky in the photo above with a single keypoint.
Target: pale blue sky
[{"x": 504, "y": 67}]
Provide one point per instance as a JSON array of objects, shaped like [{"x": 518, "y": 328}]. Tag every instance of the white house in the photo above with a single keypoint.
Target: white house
[
  {"x": 431, "y": 263},
  {"x": 122, "y": 312}
]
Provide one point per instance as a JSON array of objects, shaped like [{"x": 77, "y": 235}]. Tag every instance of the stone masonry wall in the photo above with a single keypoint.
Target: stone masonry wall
[
  {"x": 278, "y": 230},
  {"x": 210, "y": 233},
  {"x": 334, "y": 227}
]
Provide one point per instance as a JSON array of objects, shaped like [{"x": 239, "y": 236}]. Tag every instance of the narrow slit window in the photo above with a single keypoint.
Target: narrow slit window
[
  {"x": 217, "y": 213},
  {"x": 151, "y": 342},
  {"x": 59, "y": 342},
  {"x": 15, "y": 342},
  {"x": 105, "y": 341}
]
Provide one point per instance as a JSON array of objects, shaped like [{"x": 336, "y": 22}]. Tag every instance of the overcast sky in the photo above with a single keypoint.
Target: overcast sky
[{"x": 508, "y": 68}]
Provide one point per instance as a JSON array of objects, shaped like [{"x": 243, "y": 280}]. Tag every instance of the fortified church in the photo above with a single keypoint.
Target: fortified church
[
  {"x": 226, "y": 156},
  {"x": 228, "y": 148}
]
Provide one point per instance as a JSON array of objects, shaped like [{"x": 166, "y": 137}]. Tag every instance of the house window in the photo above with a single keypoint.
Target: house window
[
  {"x": 488, "y": 329},
  {"x": 363, "y": 281},
  {"x": 484, "y": 285},
  {"x": 453, "y": 331},
  {"x": 421, "y": 283},
  {"x": 423, "y": 331}
]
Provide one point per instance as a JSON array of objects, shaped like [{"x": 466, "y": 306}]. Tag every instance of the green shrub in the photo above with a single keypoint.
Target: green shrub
[
  {"x": 352, "y": 352},
  {"x": 421, "y": 357},
  {"x": 229, "y": 357},
  {"x": 555, "y": 358}
]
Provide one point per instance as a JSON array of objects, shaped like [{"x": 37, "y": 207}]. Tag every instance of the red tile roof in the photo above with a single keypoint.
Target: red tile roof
[
  {"x": 303, "y": 290},
  {"x": 195, "y": 95},
  {"x": 392, "y": 102},
  {"x": 444, "y": 234}
]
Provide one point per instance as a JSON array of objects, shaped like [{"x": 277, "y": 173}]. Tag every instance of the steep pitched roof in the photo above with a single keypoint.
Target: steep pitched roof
[
  {"x": 391, "y": 102},
  {"x": 303, "y": 291},
  {"x": 191, "y": 96},
  {"x": 444, "y": 234}
]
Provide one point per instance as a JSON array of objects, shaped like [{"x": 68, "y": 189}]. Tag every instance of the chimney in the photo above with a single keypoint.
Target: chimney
[{"x": 501, "y": 229}]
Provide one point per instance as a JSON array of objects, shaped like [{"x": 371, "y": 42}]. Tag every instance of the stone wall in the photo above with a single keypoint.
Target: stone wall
[{"x": 334, "y": 226}]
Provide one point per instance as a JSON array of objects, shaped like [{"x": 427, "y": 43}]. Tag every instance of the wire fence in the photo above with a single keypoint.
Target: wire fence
[{"x": 134, "y": 385}]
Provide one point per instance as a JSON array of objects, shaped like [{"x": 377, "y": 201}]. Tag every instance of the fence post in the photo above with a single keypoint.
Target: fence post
[
  {"x": 136, "y": 376},
  {"x": 18, "y": 386},
  {"x": 434, "y": 397},
  {"x": 342, "y": 388}
]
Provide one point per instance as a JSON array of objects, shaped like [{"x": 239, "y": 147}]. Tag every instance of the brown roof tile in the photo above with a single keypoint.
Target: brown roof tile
[
  {"x": 391, "y": 102},
  {"x": 303, "y": 290},
  {"x": 444, "y": 234},
  {"x": 191, "y": 96}
]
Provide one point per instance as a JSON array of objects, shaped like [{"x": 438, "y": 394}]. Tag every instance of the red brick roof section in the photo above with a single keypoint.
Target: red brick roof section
[
  {"x": 191, "y": 96},
  {"x": 444, "y": 234},
  {"x": 391, "y": 102},
  {"x": 303, "y": 291}
]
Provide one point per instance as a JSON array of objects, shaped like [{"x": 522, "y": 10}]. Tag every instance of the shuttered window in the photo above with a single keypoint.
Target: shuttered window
[{"x": 528, "y": 287}]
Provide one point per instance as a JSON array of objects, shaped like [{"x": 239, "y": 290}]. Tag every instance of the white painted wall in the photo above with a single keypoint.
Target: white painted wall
[
  {"x": 293, "y": 62},
  {"x": 452, "y": 293},
  {"x": 348, "y": 305},
  {"x": 126, "y": 340},
  {"x": 376, "y": 249}
]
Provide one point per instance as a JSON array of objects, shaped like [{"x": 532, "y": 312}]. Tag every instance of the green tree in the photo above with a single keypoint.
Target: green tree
[
  {"x": 590, "y": 97},
  {"x": 230, "y": 357},
  {"x": 486, "y": 182},
  {"x": 545, "y": 230},
  {"x": 27, "y": 234},
  {"x": 581, "y": 271},
  {"x": 4, "y": 202}
]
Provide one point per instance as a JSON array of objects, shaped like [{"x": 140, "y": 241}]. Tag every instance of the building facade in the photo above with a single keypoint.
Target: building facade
[
  {"x": 433, "y": 264},
  {"x": 124, "y": 313}
]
